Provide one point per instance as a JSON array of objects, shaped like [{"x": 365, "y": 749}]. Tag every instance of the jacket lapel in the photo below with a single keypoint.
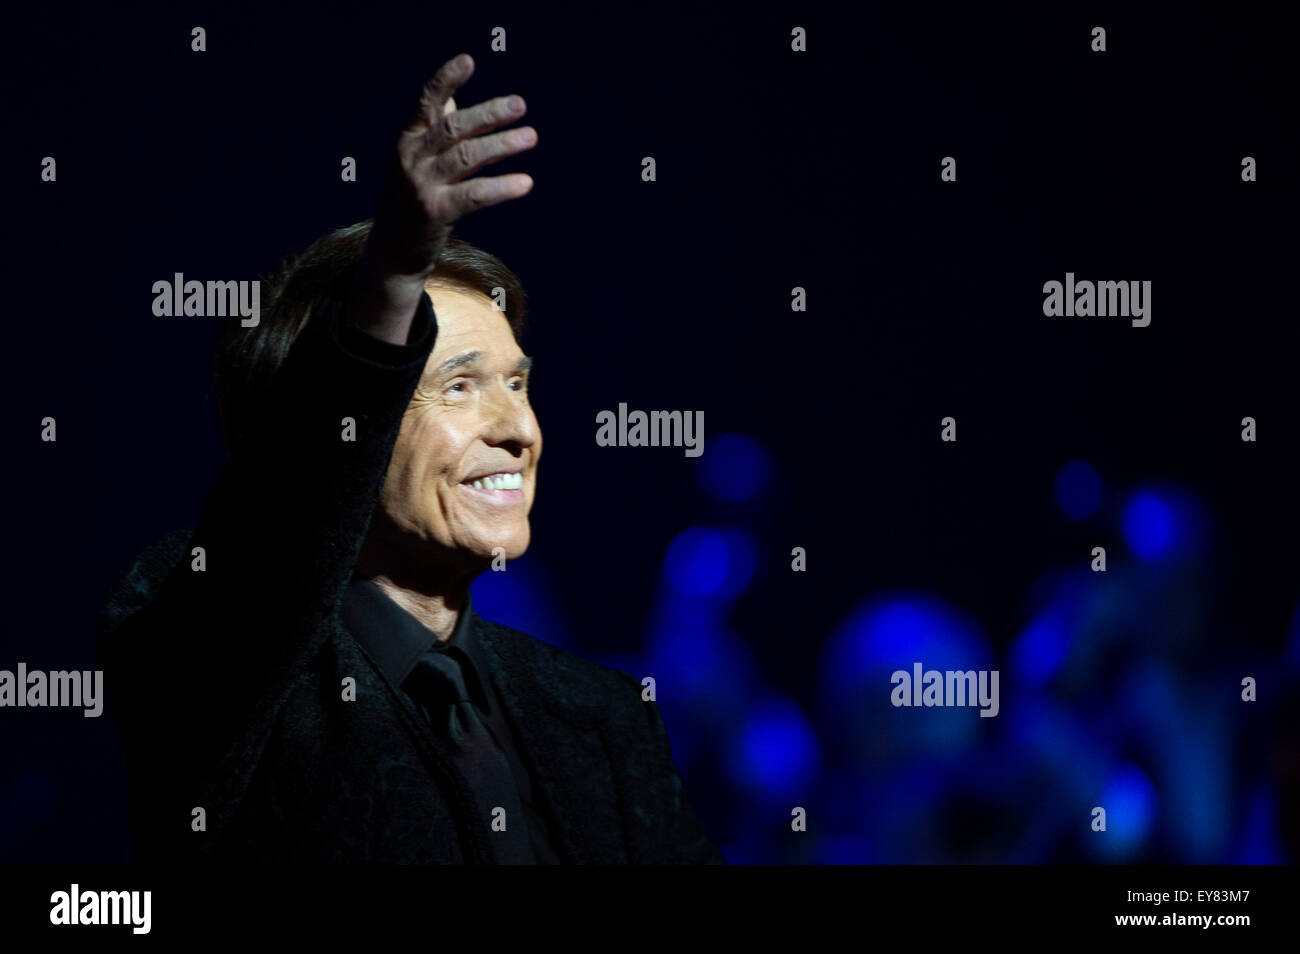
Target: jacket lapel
[
  {"x": 556, "y": 718},
  {"x": 474, "y": 843}
]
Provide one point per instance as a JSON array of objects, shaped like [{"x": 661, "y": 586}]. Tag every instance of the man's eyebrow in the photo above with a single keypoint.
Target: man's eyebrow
[
  {"x": 472, "y": 357},
  {"x": 459, "y": 360}
]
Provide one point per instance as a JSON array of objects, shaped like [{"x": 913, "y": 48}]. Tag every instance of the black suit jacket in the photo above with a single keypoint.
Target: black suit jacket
[{"x": 255, "y": 726}]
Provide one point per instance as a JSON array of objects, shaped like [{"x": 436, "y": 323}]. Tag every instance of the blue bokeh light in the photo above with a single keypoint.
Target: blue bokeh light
[
  {"x": 1039, "y": 652},
  {"x": 699, "y": 664},
  {"x": 521, "y": 598},
  {"x": 777, "y": 751},
  {"x": 735, "y": 468},
  {"x": 1057, "y": 740},
  {"x": 1078, "y": 489},
  {"x": 893, "y": 633},
  {"x": 705, "y": 562},
  {"x": 1150, "y": 526},
  {"x": 879, "y": 639},
  {"x": 1259, "y": 843},
  {"x": 1130, "y": 803}
]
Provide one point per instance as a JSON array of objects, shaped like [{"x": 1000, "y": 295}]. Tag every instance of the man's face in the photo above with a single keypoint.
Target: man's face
[{"x": 469, "y": 422}]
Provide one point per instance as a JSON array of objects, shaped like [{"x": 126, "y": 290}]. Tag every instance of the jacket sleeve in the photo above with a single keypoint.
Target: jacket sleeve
[{"x": 203, "y": 668}]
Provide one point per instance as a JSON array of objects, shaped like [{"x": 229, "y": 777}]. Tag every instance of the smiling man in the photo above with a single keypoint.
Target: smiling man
[
  {"x": 464, "y": 472},
  {"x": 302, "y": 676}
]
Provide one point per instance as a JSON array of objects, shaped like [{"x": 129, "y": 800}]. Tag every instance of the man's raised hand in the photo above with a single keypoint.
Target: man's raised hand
[{"x": 430, "y": 186}]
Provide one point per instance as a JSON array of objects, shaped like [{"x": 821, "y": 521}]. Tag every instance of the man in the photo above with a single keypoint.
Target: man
[{"x": 302, "y": 677}]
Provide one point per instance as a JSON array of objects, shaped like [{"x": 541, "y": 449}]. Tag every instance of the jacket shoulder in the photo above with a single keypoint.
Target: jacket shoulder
[{"x": 582, "y": 685}]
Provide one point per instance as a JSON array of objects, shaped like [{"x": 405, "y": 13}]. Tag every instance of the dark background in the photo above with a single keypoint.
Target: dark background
[{"x": 775, "y": 169}]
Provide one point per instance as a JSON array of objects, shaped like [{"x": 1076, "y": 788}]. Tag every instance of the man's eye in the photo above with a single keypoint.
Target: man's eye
[
  {"x": 521, "y": 384},
  {"x": 457, "y": 386}
]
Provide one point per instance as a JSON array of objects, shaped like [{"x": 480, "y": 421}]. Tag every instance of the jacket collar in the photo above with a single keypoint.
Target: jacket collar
[{"x": 395, "y": 640}]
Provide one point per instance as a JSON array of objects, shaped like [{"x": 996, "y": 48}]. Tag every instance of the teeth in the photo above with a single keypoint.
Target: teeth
[{"x": 499, "y": 482}]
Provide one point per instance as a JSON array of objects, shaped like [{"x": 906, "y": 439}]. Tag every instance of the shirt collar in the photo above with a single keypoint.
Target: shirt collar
[{"x": 396, "y": 640}]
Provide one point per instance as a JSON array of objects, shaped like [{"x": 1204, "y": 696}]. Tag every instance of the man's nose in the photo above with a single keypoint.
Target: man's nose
[{"x": 508, "y": 417}]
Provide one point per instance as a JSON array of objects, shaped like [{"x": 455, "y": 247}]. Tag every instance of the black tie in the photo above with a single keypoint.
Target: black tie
[{"x": 438, "y": 684}]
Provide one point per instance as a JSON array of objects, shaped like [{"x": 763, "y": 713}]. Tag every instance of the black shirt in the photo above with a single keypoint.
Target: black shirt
[{"x": 396, "y": 640}]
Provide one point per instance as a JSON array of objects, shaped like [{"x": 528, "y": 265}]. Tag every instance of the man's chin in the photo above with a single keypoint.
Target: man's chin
[{"x": 495, "y": 550}]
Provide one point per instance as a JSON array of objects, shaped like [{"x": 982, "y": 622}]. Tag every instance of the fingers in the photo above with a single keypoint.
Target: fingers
[
  {"x": 444, "y": 146},
  {"x": 476, "y": 120},
  {"x": 465, "y": 197},
  {"x": 450, "y": 77},
  {"x": 469, "y": 155}
]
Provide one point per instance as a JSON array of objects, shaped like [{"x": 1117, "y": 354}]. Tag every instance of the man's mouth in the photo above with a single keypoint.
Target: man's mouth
[{"x": 502, "y": 480}]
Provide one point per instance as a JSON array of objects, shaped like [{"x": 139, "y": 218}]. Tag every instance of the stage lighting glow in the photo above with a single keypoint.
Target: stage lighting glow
[
  {"x": 882, "y": 637},
  {"x": 1038, "y": 652},
  {"x": 1260, "y": 843},
  {"x": 710, "y": 563},
  {"x": 1078, "y": 489},
  {"x": 734, "y": 468},
  {"x": 847, "y": 850},
  {"x": 777, "y": 751},
  {"x": 519, "y": 598},
  {"x": 1130, "y": 803},
  {"x": 1150, "y": 525},
  {"x": 891, "y": 634},
  {"x": 695, "y": 659}
]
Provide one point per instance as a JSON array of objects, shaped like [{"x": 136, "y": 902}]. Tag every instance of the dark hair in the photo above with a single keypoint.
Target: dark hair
[{"x": 247, "y": 358}]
